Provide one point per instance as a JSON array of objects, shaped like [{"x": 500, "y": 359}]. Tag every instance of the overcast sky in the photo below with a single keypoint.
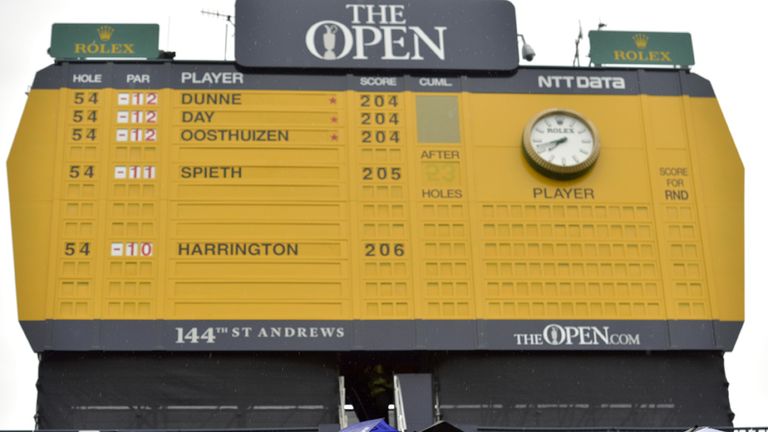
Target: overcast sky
[{"x": 729, "y": 43}]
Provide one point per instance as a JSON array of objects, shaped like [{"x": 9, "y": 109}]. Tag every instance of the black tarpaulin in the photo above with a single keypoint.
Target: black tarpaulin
[
  {"x": 186, "y": 390},
  {"x": 602, "y": 389},
  {"x": 489, "y": 389}
]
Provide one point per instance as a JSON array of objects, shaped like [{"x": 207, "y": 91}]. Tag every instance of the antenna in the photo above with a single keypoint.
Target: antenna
[
  {"x": 229, "y": 20},
  {"x": 576, "y": 59}
]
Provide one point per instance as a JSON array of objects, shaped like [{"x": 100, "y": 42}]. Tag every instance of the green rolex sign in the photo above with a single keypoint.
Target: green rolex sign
[
  {"x": 80, "y": 41},
  {"x": 650, "y": 48}
]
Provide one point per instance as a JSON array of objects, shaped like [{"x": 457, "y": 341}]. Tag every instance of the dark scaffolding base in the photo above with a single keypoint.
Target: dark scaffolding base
[
  {"x": 660, "y": 389},
  {"x": 164, "y": 390}
]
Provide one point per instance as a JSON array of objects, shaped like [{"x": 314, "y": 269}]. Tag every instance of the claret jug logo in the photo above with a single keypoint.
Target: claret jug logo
[
  {"x": 641, "y": 53},
  {"x": 379, "y": 28},
  {"x": 104, "y": 45}
]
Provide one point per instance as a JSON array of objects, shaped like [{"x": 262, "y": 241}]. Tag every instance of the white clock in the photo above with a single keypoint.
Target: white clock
[{"x": 561, "y": 143}]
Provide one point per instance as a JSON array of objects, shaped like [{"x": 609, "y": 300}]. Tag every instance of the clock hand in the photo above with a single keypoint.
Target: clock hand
[{"x": 552, "y": 144}]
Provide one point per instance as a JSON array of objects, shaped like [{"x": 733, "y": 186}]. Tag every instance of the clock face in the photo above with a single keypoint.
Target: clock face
[{"x": 561, "y": 142}]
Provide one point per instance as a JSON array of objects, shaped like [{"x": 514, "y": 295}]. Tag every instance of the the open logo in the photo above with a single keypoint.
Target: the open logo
[{"x": 375, "y": 31}]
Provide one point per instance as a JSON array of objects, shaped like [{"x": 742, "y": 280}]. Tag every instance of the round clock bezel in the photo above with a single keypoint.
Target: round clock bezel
[{"x": 549, "y": 168}]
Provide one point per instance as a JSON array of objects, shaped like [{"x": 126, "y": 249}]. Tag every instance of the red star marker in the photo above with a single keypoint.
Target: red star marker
[
  {"x": 333, "y": 100},
  {"x": 334, "y": 120},
  {"x": 334, "y": 137}
]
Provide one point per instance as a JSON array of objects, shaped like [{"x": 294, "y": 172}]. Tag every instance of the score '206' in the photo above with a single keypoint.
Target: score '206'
[{"x": 384, "y": 249}]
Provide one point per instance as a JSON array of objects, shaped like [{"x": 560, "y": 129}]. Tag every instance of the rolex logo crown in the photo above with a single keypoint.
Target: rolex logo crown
[
  {"x": 105, "y": 32},
  {"x": 641, "y": 40}
]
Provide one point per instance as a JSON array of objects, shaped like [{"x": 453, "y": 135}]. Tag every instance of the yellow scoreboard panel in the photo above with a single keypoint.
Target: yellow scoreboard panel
[{"x": 194, "y": 206}]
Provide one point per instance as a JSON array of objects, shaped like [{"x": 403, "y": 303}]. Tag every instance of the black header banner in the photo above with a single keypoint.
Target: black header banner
[
  {"x": 382, "y": 34},
  {"x": 228, "y": 76}
]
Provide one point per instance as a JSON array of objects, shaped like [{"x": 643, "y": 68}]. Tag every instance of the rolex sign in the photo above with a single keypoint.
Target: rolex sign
[
  {"x": 84, "y": 41},
  {"x": 644, "y": 48}
]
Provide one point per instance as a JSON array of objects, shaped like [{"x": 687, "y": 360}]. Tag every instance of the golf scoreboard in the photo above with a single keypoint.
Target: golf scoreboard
[{"x": 369, "y": 177}]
